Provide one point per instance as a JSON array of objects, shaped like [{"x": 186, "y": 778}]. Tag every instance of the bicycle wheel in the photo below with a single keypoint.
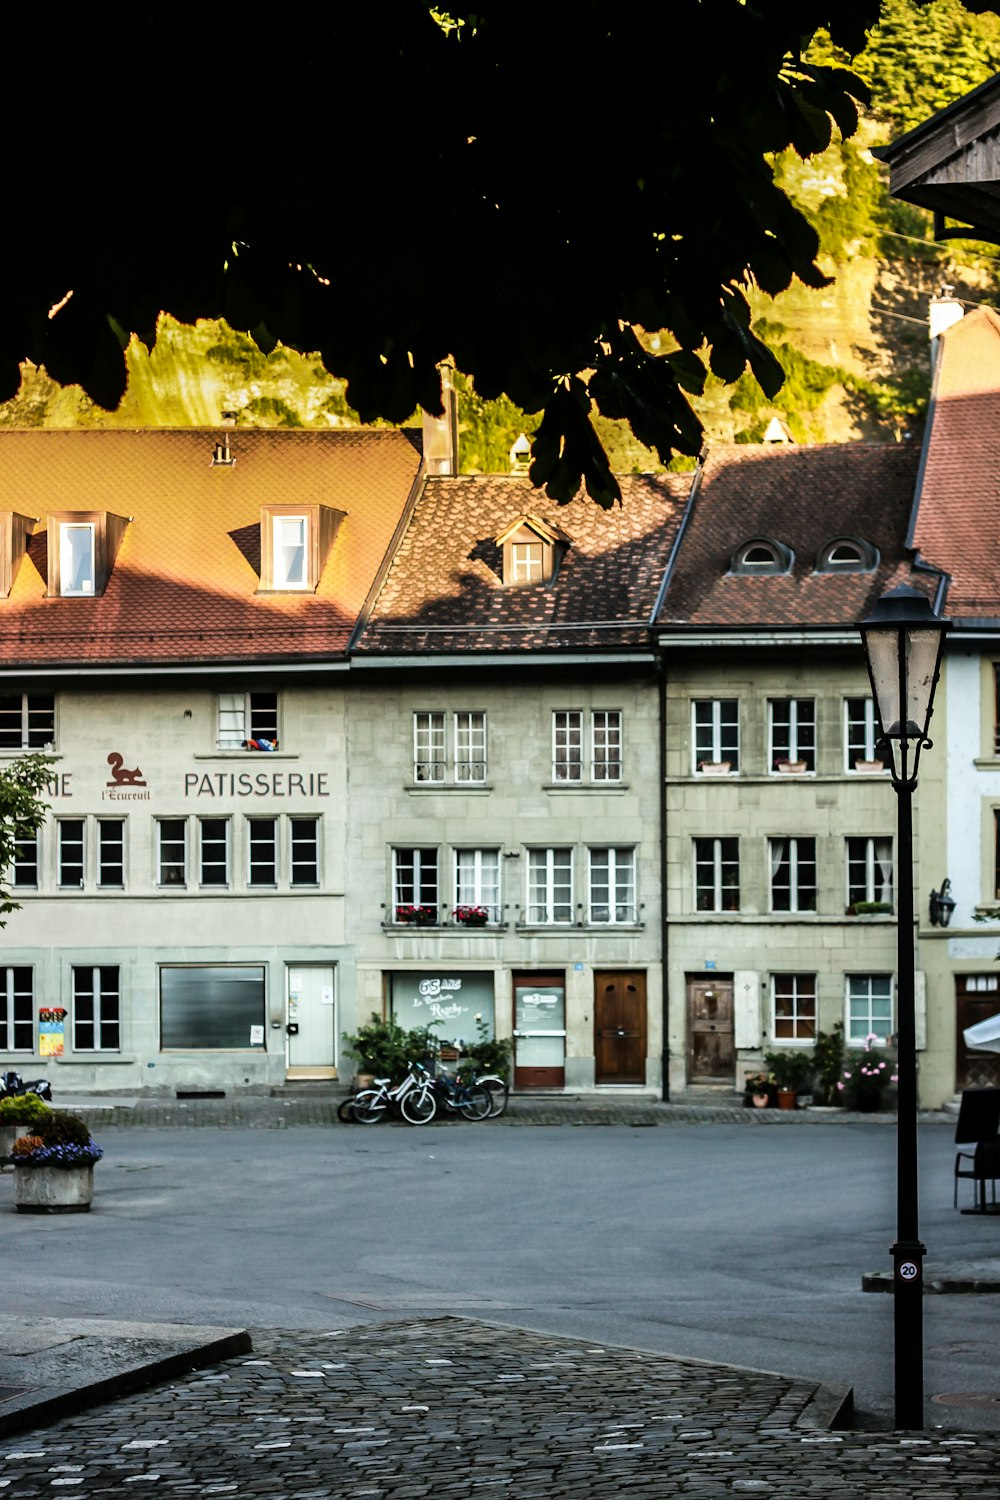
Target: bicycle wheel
[
  {"x": 370, "y": 1106},
  {"x": 345, "y": 1111},
  {"x": 499, "y": 1094},
  {"x": 477, "y": 1104},
  {"x": 418, "y": 1107}
]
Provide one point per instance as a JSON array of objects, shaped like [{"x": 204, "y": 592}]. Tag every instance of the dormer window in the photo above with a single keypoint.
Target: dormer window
[
  {"x": 761, "y": 555},
  {"x": 82, "y": 549},
  {"x": 847, "y": 554},
  {"x": 295, "y": 542},
  {"x": 532, "y": 550}
]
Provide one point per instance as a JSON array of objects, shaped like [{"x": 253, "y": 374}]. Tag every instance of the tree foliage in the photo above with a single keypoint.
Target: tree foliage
[
  {"x": 499, "y": 187},
  {"x": 22, "y": 813}
]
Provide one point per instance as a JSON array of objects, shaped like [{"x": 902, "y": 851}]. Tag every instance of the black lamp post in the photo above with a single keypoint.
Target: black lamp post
[{"x": 903, "y": 642}]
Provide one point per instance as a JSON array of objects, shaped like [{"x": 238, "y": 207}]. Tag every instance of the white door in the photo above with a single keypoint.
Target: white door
[{"x": 312, "y": 1021}]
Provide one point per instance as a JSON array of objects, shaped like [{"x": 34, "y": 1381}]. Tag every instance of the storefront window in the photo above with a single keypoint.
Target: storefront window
[{"x": 450, "y": 1002}]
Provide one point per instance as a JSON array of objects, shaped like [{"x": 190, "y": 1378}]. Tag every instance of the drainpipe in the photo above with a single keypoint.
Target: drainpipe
[{"x": 661, "y": 766}]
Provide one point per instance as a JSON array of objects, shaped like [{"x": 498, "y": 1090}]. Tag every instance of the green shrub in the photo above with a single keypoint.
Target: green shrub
[
  {"x": 61, "y": 1129},
  {"x": 23, "y": 1109}
]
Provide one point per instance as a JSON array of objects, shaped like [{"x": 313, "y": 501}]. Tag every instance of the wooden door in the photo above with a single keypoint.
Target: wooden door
[
  {"x": 620, "y": 1028},
  {"x": 974, "y": 1070},
  {"x": 711, "y": 1052}
]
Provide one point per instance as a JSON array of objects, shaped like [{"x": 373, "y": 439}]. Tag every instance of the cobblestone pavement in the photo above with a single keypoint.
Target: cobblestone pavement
[{"x": 450, "y": 1407}]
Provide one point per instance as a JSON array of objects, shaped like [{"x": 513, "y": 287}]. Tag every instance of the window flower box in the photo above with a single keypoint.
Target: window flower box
[
  {"x": 790, "y": 767},
  {"x": 870, "y": 909},
  {"x": 715, "y": 767},
  {"x": 417, "y": 916},
  {"x": 869, "y": 767},
  {"x": 471, "y": 916}
]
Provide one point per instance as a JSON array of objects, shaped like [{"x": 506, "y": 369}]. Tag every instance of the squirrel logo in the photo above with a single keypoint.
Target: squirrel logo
[{"x": 119, "y": 775}]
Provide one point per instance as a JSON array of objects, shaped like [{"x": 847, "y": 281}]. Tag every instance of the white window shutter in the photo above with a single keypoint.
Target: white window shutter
[
  {"x": 746, "y": 1008},
  {"x": 919, "y": 1009}
]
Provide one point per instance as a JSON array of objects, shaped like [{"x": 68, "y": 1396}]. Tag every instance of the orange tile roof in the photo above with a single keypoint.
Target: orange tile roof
[
  {"x": 959, "y": 501},
  {"x": 182, "y": 588},
  {"x": 445, "y": 593}
]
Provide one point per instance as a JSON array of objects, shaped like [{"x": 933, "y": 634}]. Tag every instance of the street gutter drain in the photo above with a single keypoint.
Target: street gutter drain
[{"x": 981, "y": 1399}]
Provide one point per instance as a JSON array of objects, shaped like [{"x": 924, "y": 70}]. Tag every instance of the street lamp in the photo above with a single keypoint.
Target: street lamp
[{"x": 903, "y": 642}]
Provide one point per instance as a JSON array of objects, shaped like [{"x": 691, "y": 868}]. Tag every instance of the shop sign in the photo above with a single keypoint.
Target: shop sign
[
  {"x": 540, "y": 1008},
  {"x": 452, "y": 1001}
]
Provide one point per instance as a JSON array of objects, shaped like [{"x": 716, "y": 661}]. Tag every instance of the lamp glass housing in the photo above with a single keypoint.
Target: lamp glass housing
[{"x": 903, "y": 641}]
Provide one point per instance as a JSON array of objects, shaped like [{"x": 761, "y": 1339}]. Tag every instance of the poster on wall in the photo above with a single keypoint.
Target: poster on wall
[
  {"x": 51, "y": 1031},
  {"x": 449, "y": 1002}
]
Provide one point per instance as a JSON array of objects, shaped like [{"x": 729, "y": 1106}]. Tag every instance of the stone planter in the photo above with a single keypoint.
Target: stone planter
[
  {"x": 54, "y": 1190},
  {"x": 8, "y": 1135}
]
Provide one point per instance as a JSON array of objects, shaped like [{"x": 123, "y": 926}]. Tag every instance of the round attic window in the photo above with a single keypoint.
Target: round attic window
[
  {"x": 847, "y": 554},
  {"x": 761, "y": 555}
]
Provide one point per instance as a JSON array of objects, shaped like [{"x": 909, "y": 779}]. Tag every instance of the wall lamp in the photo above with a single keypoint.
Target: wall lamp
[{"x": 942, "y": 905}]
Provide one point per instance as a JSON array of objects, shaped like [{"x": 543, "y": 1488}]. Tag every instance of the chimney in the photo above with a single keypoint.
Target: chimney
[
  {"x": 441, "y": 433},
  {"x": 520, "y": 454},
  {"x": 943, "y": 310}
]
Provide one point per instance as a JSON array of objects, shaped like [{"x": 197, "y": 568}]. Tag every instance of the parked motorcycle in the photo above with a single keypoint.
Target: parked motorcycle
[{"x": 12, "y": 1085}]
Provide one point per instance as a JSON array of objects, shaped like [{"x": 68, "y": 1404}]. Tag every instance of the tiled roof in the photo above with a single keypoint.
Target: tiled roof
[
  {"x": 444, "y": 591},
  {"x": 804, "y": 498},
  {"x": 959, "y": 503},
  {"x": 183, "y": 584}
]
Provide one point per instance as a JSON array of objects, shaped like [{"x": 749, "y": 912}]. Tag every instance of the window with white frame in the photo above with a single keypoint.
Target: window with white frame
[
  {"x": 248, "y": 721},
  {"x": 793, "y": 874},
  {"x": 477, "y": 880},
  {"x": 606, "y": 745},
  {"x": 171, "y": 851},
  {"x": 793, "y": 1007},
  {"x": 76, "y": 558},
  {"x": 717, "y": 874},
  {"x": 111, "y": 853},
  {"x": 716, "y": 732},
  {"x": 550, "y": 886},
  {"x": 570, "y": 749},
  {"x": 96, "y": 1009},
  {"x": 26, "y": 864},
  {"x": 262, "y": 851},
  {"x": 17, "y": 1009},
  {"x": 869, "y": 1007},
  {"x": 415, "y": 878},
  {"x": 612, "y": 886},
  {"x": 27, "y": 721},
  {"x": 567, "y": 745},
  {"x": 860, "y": 729},
  {"x": 72, "y": 845},
  {"x": 304, "y": 862},
  {"x": 463, "y": 760},
  {"x": 527, "y": 562},
  {"x": 869, "y": 870},
  {"x": 289, "y": 538},
  {"x": 793, "y": 732},
  {"x": 213, "y": 851}
]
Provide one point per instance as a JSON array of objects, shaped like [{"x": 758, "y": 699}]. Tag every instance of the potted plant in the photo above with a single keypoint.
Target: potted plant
[
  {"x": 828, "y": 1065},
  {"x": 489, "y": 1054},
  {"x": 760, "y": 1090},
  {"x": 865, "y": 1077},
  {"x": 417, "y": 916},
  {"x": 54, "y": 1167},
  {"x": 792, "y": 1068},
  {"x": 471, "y": 916},
  {"x": 383, "y": 1048},
  {"x": 17, "y": 1113},
  {"x": 870, "y": 909}
]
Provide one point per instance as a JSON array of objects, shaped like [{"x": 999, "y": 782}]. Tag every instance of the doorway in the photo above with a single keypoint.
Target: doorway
[
  {"x": 977, "y": 998},
  {"x": 539, "y": 1031},
  {"x": 619, "y": 1028},
  {"x": 311, "y": 1022},
  {"x": 711, "y": 1050}
]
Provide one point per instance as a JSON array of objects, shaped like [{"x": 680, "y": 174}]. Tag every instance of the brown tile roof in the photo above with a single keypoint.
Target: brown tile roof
[
  {"x": 804, "y": 498},
  {"x": 183, "y": 585},
  {"x": 959, "y": 502},
  {"x": 444, "y": 591}
]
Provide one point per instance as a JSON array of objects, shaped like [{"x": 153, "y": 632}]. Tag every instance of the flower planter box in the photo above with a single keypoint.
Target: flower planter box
[
  {"x": 54, "y": 1190},
  {"x": 715, "y": 767},
  {"x": 791, "y": 767},
  {"x": 870, "y": 767}
]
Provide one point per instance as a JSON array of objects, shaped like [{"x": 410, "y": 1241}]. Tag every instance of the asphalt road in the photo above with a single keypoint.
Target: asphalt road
[{"x": 705, "y": 1240}]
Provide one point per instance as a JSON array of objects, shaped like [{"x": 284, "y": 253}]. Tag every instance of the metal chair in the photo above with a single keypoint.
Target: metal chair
[{"x": 979, "y": 1125}]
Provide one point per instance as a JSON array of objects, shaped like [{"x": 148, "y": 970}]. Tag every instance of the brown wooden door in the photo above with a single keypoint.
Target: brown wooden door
[
  {"x": 620, "y": 1028},
  {"x": 974, "y": 1070},
  {"x": 711, "y": 1053}
]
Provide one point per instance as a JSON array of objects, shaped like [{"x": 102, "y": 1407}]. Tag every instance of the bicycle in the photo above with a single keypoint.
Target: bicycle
[
  {"x": 372, "y": 1105},
  {"x": 472, "y": 1101},
  {"x": 499, "y": 1090}
]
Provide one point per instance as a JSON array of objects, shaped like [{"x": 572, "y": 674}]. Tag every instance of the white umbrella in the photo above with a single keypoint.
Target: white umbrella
[{"x": 984, "y": 1036}]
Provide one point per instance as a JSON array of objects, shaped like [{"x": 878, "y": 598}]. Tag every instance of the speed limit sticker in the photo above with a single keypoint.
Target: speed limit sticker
[{"x": 908, "y": 1270}]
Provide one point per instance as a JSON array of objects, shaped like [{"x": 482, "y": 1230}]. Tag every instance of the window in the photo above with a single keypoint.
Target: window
[
  {"x": 171, "y": 835},
  {"x": 213, "y": 851},
  {"x": 716, "y": 733},
  {"x": 26, "y": 864},
  {"x": 532, "y": 549},
  {"x": 76, "y": 558},
  {"x": 717, "y": 874},
  {"x": 477, "y": 879},
  {"x": 289, "y": 543},
  {"x": 27, "y": 721},
  {"x": 305, "y": 851},
  {"x": 793, "y": 731},
  {"x": 793, "y": 1005},
  {"x": 248, "y": 721},
  {"x": 111, "y": 853},
  {"x": 793, "y": 874},
  {"x": 96, "y": 1009},
  {"x": 869, "y": 1007},
  {"x": 468, "y": 747},
  {"x": 415, "y": 877},
  {"x": 528, "y": 562},
  {"x": 761, "y": 555},
  {"x": 212, "y": 1006},
  {"x": 869, "y": 870},
  {"x": 612, "y": 886},
  {"x": 996, "y": 708},
  {"x": 17, "y": 1010},
  {"x": 605, "y": 747},
  {"x": 71, "y": 851},
  {"x": 859, "y": 716},
  {"x": 262, "y": 849},
  {"x": 550, "y": 885},
  {"x": 847, "y": 554}
]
